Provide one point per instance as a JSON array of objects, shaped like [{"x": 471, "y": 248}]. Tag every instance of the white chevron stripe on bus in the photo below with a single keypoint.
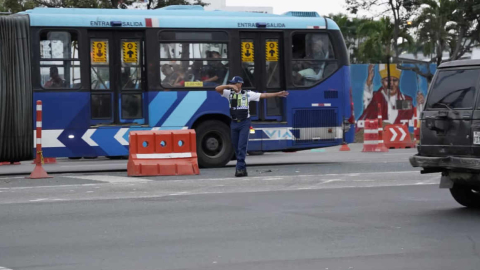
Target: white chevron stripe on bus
[{"x": 119, "y": 136}]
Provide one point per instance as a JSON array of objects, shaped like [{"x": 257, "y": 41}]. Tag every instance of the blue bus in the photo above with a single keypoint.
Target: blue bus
[{"x": 102, "y": 73}]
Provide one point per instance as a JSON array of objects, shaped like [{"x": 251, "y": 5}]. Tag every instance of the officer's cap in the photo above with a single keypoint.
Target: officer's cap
[{"x": 236, "y": 79}]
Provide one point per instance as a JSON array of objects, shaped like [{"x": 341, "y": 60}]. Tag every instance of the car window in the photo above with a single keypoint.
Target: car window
[{"x": 453, "y": 89}]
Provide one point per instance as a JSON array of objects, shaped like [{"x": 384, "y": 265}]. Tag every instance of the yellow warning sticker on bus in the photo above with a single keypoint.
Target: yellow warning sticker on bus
[
  {"x": 193, "y": 84},
  {"x": 247, "y": 51},
  {"x": 130, "y": 52},
  {"x": 271, "y": 51},
  {"x": 99, "y": 52}
]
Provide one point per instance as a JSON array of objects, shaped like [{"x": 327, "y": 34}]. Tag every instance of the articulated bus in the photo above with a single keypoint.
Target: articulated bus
[{"x": 101, "y": 73}]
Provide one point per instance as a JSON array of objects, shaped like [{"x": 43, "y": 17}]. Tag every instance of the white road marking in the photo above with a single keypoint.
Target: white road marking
[
  {"x": 348, "y": 174},
  {"x": 180, "y": 193},
  {"x": 94, "y": 165},
  {"x": 57, "y": 186},
  {"x": 272, "y": 178},
  {"x": 111, "y": 179},
  {"x": 45, "y": 200},
  {"x": 16, "y": 177},
  {"x": 4, "y": 268},
  {"x": 206, "y": 191},
  {"x": 39, "y": 200},
  {"x": 330, "y": 181}
]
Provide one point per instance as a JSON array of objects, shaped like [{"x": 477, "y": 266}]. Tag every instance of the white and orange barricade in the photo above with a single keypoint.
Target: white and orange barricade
[
  {"x": 398, "y": 137},
  {"x": 370, "y": 136},
  {"x": 381, "y": 143},
  {"x": 167, "y": 152}
]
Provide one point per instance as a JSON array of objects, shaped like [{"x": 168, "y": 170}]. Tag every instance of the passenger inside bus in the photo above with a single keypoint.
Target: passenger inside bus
[
  {"x": 172, "y": 77},
  {"x": 216, "y": 71},
  {"x": 316, "y": 48},
  {"x": 55, "y": 80},
  {"x": 196, "y": 72}
]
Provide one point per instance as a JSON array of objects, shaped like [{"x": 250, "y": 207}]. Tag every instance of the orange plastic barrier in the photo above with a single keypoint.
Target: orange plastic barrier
[
  {"x": 398, "y": 136},
  {"x": 169, "y": 152}
]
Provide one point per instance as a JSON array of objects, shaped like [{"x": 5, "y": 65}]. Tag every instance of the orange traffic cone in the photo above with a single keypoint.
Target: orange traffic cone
[
  {"x": 344, "y": 147},
  {"x": 39, "y": 172}
]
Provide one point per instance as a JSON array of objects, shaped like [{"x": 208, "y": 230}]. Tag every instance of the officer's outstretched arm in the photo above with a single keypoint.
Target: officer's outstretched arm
[
  {"x": 220, "y": 88},
  {"x": 272, "y": 95}
]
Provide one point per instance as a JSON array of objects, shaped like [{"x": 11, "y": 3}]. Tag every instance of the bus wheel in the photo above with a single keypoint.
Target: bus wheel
[
  {"x": 214, "y": 147},
  {"x": 466, "y": 196}
]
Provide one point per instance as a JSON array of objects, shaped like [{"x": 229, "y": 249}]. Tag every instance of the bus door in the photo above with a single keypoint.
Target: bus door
[
  {"x": 117, "y": 78},
  {"x": 263, "y": 71}
]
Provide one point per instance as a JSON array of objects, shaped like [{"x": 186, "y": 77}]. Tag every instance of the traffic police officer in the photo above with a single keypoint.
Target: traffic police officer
[{"x": 239, "y": 111}]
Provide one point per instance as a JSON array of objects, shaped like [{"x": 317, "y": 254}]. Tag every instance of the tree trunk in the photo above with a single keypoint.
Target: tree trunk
[
  {"x": 388, "y": 76},
  {"x": 455, "y": 53},
  {"x": 114, "y": 3},
  {"x": 396, "y": 30}
]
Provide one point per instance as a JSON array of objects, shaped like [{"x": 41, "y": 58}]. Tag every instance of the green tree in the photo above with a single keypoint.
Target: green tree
[
  {"x": 435, "y": 28},
  {"x": 21, "y": 5},
  {"x": 467, "y": 33},
  {"x": 444, "y": 25},
  {"x": 349, "y": 28},
  {"x": 15, "y": 6},
  {"x": 163, "y": 3},
  {"x": 379, "y": 41},
  {"x": 400, "y": 10}
]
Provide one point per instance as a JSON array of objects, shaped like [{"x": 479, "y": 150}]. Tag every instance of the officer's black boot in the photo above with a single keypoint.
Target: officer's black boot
[
  {"x": 237, "y": 173},
  {"x": 242, "y": 173}
]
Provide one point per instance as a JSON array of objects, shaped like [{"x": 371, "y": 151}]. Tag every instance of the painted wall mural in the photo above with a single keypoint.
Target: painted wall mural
[{"x": 370, "y": 87}]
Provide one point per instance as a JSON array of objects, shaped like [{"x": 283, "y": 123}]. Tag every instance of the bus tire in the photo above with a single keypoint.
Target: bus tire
[
  {"x": 466, "y": 195},
  {"x": 214, "y": 147}
]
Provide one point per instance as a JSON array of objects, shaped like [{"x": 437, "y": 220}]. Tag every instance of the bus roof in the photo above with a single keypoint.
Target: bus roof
[{"x": 174, "y": 17}]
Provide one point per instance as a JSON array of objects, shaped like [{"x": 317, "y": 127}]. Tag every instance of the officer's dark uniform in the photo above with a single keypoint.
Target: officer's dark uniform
[{"x": 240, "y": 126}]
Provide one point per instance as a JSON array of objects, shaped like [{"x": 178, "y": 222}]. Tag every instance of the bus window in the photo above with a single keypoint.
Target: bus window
[
  {"x": 59, "y": 60},
  {"x": 131, "y": 72},
  {"x": 193, "y": 64},
  {"x": 99, "y": 66},
  {"x": 272, "y": 63},
  {"x": 313, "y": 58},
  {"x": 248, "y": 63}
]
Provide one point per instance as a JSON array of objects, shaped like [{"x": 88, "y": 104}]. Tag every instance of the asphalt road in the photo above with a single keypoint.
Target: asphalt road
[{"x": 332, "y": 211}]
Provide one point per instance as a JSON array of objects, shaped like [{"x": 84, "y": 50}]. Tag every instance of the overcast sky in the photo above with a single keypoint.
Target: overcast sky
[{"x": 323, "y": 7}]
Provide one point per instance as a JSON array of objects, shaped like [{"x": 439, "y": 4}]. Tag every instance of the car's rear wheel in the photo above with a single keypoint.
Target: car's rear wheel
[
  {"x": 214, "y": 147},
  {"x": 466, "y": 195}
]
